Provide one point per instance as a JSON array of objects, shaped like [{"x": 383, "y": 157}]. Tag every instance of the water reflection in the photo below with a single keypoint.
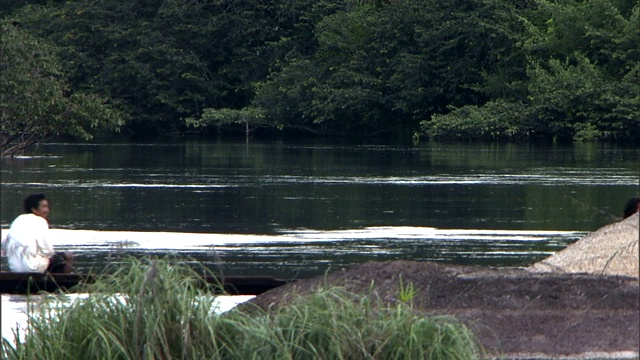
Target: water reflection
[{"x": 260, "y": 188}]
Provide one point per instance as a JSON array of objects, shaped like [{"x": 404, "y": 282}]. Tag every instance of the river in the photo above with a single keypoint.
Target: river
[{"x": 295, "y": 209}]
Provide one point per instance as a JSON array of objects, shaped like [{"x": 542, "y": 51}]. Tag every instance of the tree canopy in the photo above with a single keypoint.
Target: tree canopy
[
  {"x": 489, "y": 69},
  {"x": 36, "y": 101},
  {"x": 582, "y": 80}
]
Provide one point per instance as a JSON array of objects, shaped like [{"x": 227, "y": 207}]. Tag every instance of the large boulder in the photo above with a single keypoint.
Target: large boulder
[{"x": 610, "y": 250}]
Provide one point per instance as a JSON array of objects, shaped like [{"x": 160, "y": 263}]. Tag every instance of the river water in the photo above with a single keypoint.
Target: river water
[
  {"x": 292, "y": 209},
  {"x": 298, "y": 209}
]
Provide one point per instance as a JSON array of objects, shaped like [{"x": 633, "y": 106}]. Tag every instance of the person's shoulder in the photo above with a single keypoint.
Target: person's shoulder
[
  {"x": 30, "y": 220},
  {"x": 21, "y": 218}
]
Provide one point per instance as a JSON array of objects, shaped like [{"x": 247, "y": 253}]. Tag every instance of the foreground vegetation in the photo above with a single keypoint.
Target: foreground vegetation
[
  {"x": 161, "y": 311},
  {"x": 489, "y": 69}
]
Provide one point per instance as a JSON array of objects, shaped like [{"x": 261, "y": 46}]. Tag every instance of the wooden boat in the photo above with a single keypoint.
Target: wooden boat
[{"x": 32, "y": 283}]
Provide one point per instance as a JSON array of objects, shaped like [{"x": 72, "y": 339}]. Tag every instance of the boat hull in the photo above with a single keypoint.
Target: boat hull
[{"x": 33, "y": 283}]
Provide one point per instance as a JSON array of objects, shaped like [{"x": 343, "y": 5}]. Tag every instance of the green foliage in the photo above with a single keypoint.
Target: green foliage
[
  {"x": 166, "y": 61},
  {"x": 354, "y": 68},
  {"x": 220, "y": 117},
  {"x": 582, "y": 79},
  {"x": 156, "y": 310},
  {"x": 574, "y": 101},
  {"x": 379, "y": 70},
  {"x": 7, "y": 7},
  {"x": 496, "y": 120},
  {"x": 407, "y": 292},
  {"x": 129, "y": 52},
  {"x": 285, "y": 97},
  {"x": 334, "y": 324},
  {"x": 36, "y": 101}
]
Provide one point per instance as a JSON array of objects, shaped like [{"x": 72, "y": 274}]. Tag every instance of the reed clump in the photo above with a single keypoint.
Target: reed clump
[{"x": 159, "y": 310}]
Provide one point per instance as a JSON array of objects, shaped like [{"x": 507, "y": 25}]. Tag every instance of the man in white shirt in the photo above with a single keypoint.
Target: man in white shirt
[{"x": 27, "y": 244}]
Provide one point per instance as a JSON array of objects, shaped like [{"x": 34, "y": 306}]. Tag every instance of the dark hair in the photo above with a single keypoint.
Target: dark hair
[
  {"x": 631, "y": 207},
  {"x": 32, "y": 202}
]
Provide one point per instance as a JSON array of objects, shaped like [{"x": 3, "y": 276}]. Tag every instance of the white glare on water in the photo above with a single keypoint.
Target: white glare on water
[{"x": 141, "y": 240}]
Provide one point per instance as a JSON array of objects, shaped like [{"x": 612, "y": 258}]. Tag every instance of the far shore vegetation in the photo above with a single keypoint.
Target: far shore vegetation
[
  {"x": 155, "y": 309},
  {"x": 411, "y": 69}
]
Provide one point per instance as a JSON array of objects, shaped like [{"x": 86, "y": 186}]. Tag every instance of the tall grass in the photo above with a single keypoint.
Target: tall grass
[{"x": 158, "y": 310}]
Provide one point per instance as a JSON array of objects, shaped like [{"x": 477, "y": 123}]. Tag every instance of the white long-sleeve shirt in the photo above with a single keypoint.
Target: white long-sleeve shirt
[{"x": 27, "y": 246}]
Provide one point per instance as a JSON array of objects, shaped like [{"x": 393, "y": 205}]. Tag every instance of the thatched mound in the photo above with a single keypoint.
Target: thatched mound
[{"x": 611, "y": 250}]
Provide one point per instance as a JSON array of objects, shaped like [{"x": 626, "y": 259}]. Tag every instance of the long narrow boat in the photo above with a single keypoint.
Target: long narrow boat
[{"x": 32, "y": 283}]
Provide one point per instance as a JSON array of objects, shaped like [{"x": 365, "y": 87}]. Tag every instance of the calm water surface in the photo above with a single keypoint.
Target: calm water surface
[{"x": 296, "y": 209}]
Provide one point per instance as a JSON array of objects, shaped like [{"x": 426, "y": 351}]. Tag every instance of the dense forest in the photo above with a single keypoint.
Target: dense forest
[{"x": 461, "y": 69}]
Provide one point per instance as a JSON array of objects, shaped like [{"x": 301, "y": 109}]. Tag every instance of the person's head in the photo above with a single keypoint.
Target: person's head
[
  {"x": 632, "y": 207},
  {"x": 37, "y": 204}
]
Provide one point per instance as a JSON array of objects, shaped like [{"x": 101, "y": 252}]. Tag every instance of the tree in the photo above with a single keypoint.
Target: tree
[
  {"x": 380, "y": 67},
  {"x": 35, "y": 99},
  {"x": 582, "y": 78},
  {"x": 248, "y": 117}
]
